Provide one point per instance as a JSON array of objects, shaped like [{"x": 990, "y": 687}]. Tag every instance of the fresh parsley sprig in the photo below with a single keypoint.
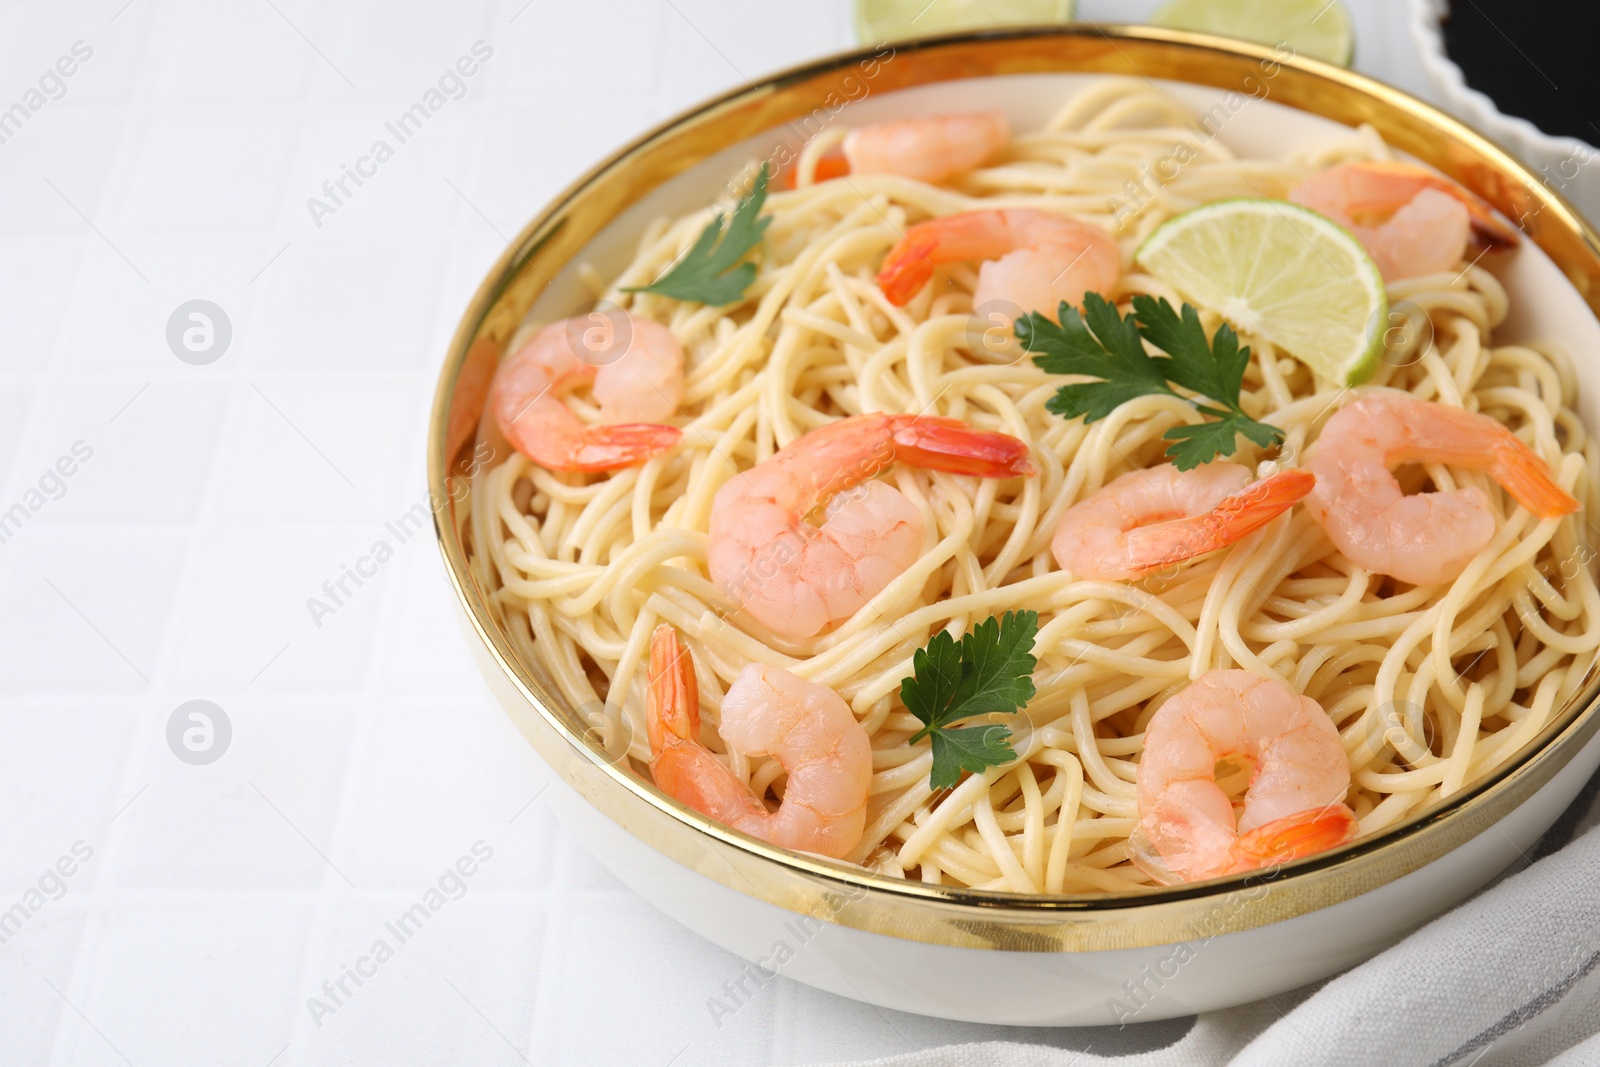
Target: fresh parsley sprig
[
  {"x": 989, "y": 670},
  {"x": 1102, "y": 344},
  {"x": 711, "y": 272}
]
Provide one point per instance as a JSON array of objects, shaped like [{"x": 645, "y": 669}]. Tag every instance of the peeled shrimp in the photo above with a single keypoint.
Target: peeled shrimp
[
  {"x": 1148, "y": 519},
  {"x": 1032, "y": 259},
  {"x": 635, "y": 390},
  {"x": 1410, "y": 220},
  {"x": 808, "y": 728},
  {"x": 1298, "y": 770},
  {"x": 797, "y": 578},
  {"x": 1426, "y": 538},
  {"x": 929, "y": 149}
]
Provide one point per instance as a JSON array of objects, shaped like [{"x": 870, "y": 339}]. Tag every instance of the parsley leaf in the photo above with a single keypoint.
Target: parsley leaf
[
  {"x": 1112, "y": 352},
  {"x": 989, "y": 670},
  {"x": 1101, "y": 344},
  {"x": 968, "y": 748},
  {"x": 1214, "y": 369},
  {"x": 1204, "y": 441},
  {"x": 710, "y": 272}
]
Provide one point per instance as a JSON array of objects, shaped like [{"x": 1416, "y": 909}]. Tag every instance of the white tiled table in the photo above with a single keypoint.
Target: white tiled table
[{"x": 366, "y": 757}]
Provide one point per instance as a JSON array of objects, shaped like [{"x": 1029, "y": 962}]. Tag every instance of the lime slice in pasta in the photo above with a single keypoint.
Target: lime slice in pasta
[
  {"x": 1320, "y": 29},
  {"x": 896, "y": 20},
  {"x": 1281, "y": 273}
]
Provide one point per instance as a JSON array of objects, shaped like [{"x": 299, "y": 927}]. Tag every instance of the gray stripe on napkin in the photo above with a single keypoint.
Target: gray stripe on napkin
[{"x": 1518, "y": 1016}]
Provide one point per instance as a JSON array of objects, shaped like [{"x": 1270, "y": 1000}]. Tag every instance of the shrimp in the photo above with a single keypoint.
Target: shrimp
[
  {"x": 1297, "y": 767},
  {"x": 808, "y": 728},
  {"x": 797, "y": 578},
  {"x": 1410, "y": 220},
  {"x": 1032, "y": 259},
  {"x": 1148, "y": 519},
  {"x": 929, "y": 149},
  {"x": 635, "y": 390},
  {"x": 1426, "y": 538}
]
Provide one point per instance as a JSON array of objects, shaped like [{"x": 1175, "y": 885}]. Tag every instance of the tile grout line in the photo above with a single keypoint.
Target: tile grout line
[
  {"x": 135, "y": 109},
  {"x": 329, "y": 895}
]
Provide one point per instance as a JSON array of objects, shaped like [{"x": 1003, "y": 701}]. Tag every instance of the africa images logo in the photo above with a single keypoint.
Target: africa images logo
[
  {"x": 452, "y": 85},
  {"x": 451, "y": 885},
  {"x": 52, "y": 86}
]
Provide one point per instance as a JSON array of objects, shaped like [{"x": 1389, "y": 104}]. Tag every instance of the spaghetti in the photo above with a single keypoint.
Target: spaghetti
[{"x": 1429, "y": 687}]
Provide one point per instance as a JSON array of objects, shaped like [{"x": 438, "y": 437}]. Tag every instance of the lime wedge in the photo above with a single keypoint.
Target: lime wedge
[
  {"x": 896, "y": 20},
  {"x": 1320, "y": 29},
  {"x": 1278, "y": 271}
]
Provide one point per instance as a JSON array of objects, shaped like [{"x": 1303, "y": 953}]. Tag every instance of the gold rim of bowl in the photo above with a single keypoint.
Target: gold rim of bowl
[{"x": 849, "y": 895}]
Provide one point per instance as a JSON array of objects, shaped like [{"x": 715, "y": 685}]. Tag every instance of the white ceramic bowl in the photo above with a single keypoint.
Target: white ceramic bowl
[
  {"x": 968, "y": 954},
  {"x": 1558, "y": 161}
]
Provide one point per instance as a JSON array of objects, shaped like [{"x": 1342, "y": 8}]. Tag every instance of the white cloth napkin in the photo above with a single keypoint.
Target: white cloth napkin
[{"x": 1511, "y": 977}]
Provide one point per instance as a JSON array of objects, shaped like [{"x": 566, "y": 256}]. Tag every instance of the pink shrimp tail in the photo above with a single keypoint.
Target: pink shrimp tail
[
  {"x": 1294, "y": 837},
  {"x": 674, "y": 704},
  {"x": 1237, "y": 516},
  {"x": 1256, "y": 505},
  {"x": 1518, "y": 468},
  {"x": 827, "y": 168},
  {"x": 909, "y": 264},
  {"x": 612, "y": 446},
  {"x": 1526, "y": 477},
  {"x": 679, "y": 765},
  {"x": 944, "y": 444}
]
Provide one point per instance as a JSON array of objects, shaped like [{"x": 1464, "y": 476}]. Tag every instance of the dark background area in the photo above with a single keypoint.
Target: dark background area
[{"x": 1535, "y": 60}]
